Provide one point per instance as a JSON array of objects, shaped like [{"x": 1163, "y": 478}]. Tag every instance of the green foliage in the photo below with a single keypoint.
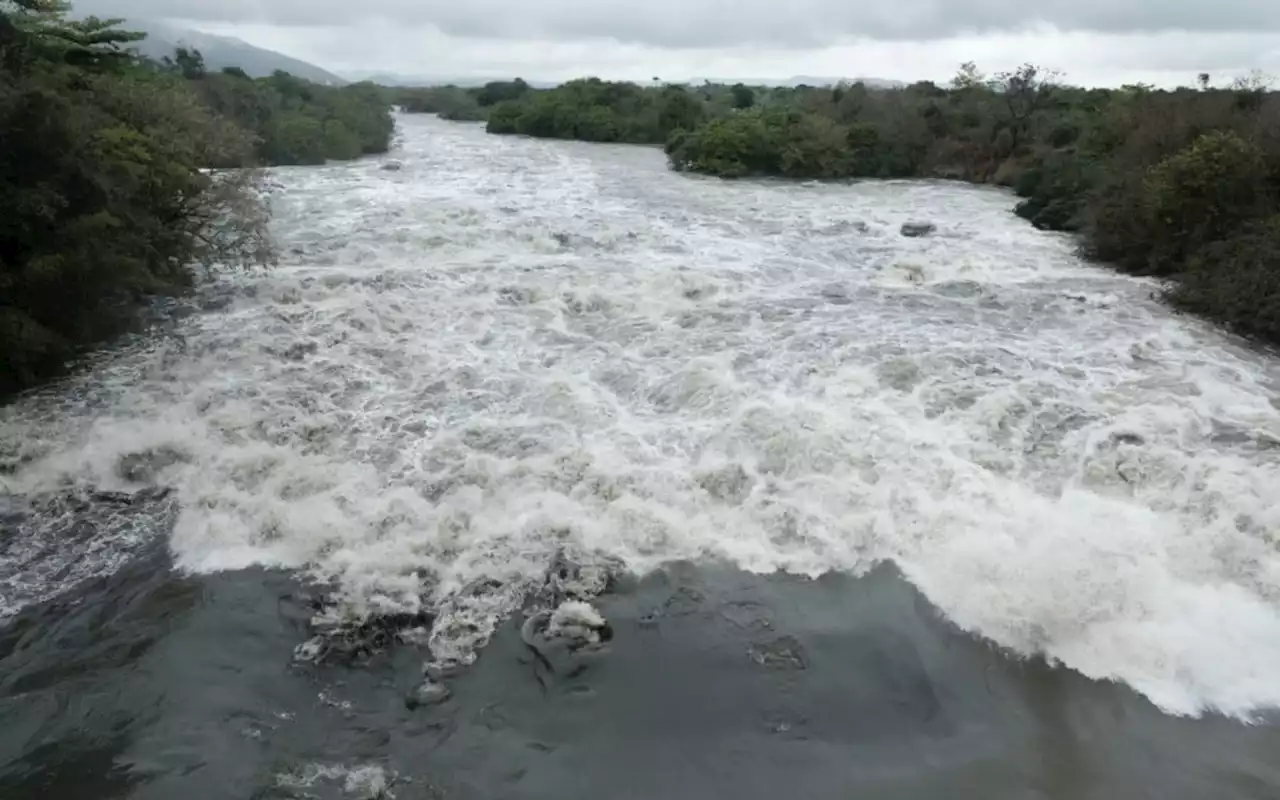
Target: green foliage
[
  {"x": 42, "y": 33},
  {"x": 188, "y": 63},
  {"x": 340, "y": 142},
  {"x": 505, "y": 118},
  {"x": 294, "y": 138},
  {"x": 598, "y": 111},
  {"x": 496, "y": 92},
  {"x": 295, "y": 121},
  {"x": 1056, "y": 186},
  {"x": 1196, "y": 196},
  {"x": 1237, "y": 281},
  {"x": 775, "y": 141},
  {"x": 100, "y": 181},
  {"x": 733, "y": 147},
  {"x": 678, "y": 110},
  {"x": 1183, "y": 183},
  {"x": 450, "y": 102}
]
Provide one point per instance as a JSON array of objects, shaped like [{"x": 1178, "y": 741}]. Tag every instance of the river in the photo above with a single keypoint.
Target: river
[{"x": 896, "y": 517}]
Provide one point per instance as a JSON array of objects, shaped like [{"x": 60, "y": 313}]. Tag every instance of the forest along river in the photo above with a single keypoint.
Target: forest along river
[{"x": 1043, "y": 508}]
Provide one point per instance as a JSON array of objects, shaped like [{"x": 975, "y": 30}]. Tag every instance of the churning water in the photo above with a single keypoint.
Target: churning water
[{"x": 514, "y": 347}]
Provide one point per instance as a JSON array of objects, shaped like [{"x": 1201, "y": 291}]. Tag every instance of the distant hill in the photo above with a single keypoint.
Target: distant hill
[{"x": 223, "y": 51}]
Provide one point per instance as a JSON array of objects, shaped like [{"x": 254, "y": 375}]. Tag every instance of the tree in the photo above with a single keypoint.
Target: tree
[
  {"x": 295, "y": 121},
  {"x": 1255, "y": 81},
  {"x": 677, "y": 110},
  {"x": 743, "y": 97},
  {"x": 1024, "y": 91},
  {"x": 968, "y": 77},
  {"x": 100, "y": 181},
  {"x": 496, "y": 92},
  {"x": 187, "y": 63}
]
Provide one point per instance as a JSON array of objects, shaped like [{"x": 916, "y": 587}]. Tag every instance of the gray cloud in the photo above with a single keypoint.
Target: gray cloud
[{"x": 718, "y": 23}]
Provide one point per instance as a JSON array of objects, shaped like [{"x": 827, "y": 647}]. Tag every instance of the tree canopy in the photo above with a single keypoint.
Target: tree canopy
[
  {"x": 103, "y": 174},
  {"x": 599, "y": 111},
  {"x": 292, "y": 120}
]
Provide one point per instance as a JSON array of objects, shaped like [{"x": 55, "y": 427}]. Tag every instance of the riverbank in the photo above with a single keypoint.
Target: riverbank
[
  {"x": 1177, "y": 184},
  {"x": 105, "y": 181}
]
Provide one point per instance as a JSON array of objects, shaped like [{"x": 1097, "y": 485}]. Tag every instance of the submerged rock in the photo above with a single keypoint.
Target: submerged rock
[
  {"x": 785, "y": 652},
  {"x": 298, "y": 351},
  {"x": 960, "y": 289},
  {"x": 729, "y": 483},
  {"x": 901, "y": 374},
  {"x": 428, "y": 693},
  {"x": 566, "y": 640},
  {"x": 917, "y": 229},
  {"x": 337, "y": 637},
  {"x": 143, "y": 466},
  {"x": 392, "y": 165},
  {"x": 573, "y": 626},
  {"x": 567, "y": 579},
  {"x": 151, "y": 494},
  {"x": 1127, "y": 438}
]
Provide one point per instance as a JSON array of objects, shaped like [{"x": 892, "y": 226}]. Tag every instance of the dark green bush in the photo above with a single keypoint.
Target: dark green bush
[
  {"x": 450, "y": 102},
  {"x": 600, "y": 111},
  {"x": 1237, "y": 281},
  {"x": 1150, "y": 221},
  {"x": 102, "y": 194},
  {"x": 294, "y": 121}
]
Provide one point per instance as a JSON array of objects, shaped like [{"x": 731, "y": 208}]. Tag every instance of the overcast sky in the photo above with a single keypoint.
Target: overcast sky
[{"x": 1091, "y": 41}]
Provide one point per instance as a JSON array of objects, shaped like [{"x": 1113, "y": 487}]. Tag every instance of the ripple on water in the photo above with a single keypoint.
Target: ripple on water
[{"x": 514, "y": 347}]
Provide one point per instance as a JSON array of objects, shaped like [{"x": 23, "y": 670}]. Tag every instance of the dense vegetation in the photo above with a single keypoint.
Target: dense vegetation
[
  {"x": 1181, "y": 184},
  {"x": 294, "y": 121},
  {"x": 459, "y": 104},
  {"x": 600, "y": 111},
  {"x": 590, "y": 109},
  {"x": 105, "y": 200},
  {"x": 101, "y": 183},
  {"x": 583, "y": 109},
  {"x": 450, "y": 102}
]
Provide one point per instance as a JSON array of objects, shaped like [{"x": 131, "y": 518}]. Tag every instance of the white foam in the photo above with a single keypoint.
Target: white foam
[
  {"x": 575, "y": 613},
  {"x": 515, "y": 346},
  {"x": 364, "y": 782}
]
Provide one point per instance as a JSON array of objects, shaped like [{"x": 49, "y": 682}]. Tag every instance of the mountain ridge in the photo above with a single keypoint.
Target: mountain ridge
[{"x": 219, "y": 51}]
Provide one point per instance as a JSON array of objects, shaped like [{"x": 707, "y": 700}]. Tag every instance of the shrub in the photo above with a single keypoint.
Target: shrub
[
  {"x": 1237, "y": 281},
  {"x": 104, "y": 200}
]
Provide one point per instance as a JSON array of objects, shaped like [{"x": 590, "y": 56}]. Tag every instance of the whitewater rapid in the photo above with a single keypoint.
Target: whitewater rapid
[{"x": 510, "y": 347}]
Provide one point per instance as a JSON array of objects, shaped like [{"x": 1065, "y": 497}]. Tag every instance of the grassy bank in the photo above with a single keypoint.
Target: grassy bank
[
  {"x": 1181, "y": 184},
  {"x": 104, "y": 199}
]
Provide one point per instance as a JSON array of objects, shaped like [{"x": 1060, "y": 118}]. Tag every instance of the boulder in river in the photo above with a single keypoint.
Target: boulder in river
[
  {"x": 392, "y": 165},
  {"x": 573, "y": 626},
  {"x": 917, "y": 229},
  {"x": 428, "y": 693},
  {"x": 143, "y": 466}
]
